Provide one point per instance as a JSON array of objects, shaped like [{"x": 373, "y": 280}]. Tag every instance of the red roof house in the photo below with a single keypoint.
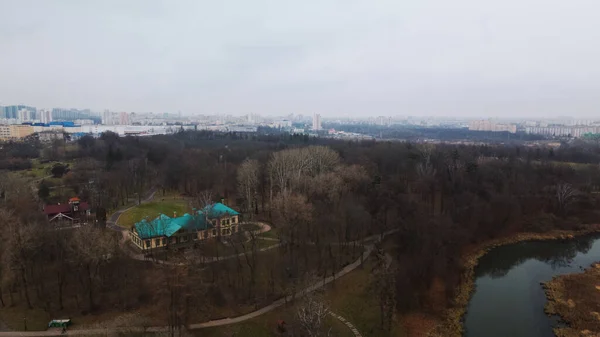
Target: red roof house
[{"x": 74, "y": 210}]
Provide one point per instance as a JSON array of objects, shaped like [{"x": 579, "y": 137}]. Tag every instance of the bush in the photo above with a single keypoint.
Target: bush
[{"x": 538, "y": 224}]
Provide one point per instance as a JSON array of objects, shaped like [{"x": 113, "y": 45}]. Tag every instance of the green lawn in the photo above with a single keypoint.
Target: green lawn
[
  {"x": 270, "y": 234},
  {"x": 351, "y": 298},
  {"x": 16, "y": 318},
  {"x": 266, "y": 326},
  {"x": 152, "y": 209}
]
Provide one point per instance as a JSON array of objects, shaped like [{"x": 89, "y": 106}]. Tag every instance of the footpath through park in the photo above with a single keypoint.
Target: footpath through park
[{"x": 112, "y": 224}]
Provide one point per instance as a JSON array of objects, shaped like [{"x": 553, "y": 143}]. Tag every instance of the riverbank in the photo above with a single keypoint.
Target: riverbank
[
  {"x": 576, "y": 299},
  {"x": 452, "y": 322}
]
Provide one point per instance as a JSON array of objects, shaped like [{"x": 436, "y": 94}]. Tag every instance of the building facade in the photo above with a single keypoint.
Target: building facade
[
  {"x": 123, "y": 118},
  {"x": 12, "y": 111},
  {"x": 316, "y": 122},
  {"x": 487, "y": 125},
  {"x": 213, "y": 221},
  {"x": 15, "y": 131},
  {"x": 73, "y": 212}
]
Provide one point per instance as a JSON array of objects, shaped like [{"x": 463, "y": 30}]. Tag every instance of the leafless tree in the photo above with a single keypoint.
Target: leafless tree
[
  {"x": 565, "y": 195},
  {"x": 22, "y": 240},
  {"x": 321, "y": 159},
  {"x": 91, "y": 248},
  {"x": 287, "y": 167},
  {"x": 384, "y": 288},
  {"x": 248, "y": 179},
  {"x": 311, "y": 315}
]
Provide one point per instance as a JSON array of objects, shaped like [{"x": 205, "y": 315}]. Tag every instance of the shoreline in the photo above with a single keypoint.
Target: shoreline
[{"x": 452, "y": 322}]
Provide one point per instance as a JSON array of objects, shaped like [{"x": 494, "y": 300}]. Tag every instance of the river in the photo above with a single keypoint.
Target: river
[{"x": 509, "y": 300}]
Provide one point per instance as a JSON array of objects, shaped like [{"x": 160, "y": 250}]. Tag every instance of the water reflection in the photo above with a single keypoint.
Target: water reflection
[
  {"x": 508, "y": 298},
  {"x": 498, "y": 262}
]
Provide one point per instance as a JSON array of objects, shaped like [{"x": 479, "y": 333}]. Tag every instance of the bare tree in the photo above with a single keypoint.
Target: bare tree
[
  {"x": 91, "y": 249},
  {"x": 311, "y": 315},
  {"x": 248, "y": 179},
  {"x": 384, "y": 288},
  {"x": 565, "y": 195},
  {"x": 321, "y": 159},
  {"x": 22, "y": 243}
]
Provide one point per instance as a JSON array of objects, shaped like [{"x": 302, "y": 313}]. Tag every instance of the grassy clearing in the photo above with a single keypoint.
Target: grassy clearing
[
  {"x": 151, "y": 210},
  {"x": 273, "y": 233},
  {"x": 15, "y": 318},
  {"x": 250, "y": 227},
  {"x": 576, "y": 299},
  {"x": 214, "y": 247},
  {"x": 266, "y": 326},
  {"x": 351, "y": 298}
]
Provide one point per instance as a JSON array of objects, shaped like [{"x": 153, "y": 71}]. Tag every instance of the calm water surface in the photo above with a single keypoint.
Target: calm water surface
[{"x": 509, "y": 299}]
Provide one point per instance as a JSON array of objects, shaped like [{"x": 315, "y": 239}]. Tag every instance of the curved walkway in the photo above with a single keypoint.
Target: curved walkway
[
  {"x": 348, "y": 324},
  {"x": 289, "y": 298},
  {"x": 225, "y": 321},
  {"x": 114, "y": 218}
]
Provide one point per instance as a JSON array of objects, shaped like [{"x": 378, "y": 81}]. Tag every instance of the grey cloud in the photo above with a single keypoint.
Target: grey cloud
[{"x": 463, "y": 57}]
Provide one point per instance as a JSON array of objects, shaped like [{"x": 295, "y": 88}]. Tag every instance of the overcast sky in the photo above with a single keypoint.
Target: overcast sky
[{"x": 498, "y": 58}]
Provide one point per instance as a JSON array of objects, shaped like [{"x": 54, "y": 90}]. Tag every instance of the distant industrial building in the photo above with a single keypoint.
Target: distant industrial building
[
  {"x": 563, "y": 131},
  {"x": 487, "y": 125},
  {"x": 15, "y": 131}
]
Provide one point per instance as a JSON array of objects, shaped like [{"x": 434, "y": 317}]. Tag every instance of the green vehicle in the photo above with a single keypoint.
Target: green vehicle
[{"x": 59, "y": 323}]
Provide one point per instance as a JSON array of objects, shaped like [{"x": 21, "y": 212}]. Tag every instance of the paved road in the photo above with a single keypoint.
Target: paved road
[{"x": 348, "y": 324}]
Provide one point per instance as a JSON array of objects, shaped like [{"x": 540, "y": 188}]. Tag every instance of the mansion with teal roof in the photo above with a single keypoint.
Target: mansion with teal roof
[{"x": 213, "y": 221}]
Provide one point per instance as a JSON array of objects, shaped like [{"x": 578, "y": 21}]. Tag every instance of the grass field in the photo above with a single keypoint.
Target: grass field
[
  {"x": 270, "y": 234},
  {"x": 151, "y": 210},
  {"x": 266, "y": 326},
  {"x": 15, "y": 318},
  {"x": 351, "y": 298}
]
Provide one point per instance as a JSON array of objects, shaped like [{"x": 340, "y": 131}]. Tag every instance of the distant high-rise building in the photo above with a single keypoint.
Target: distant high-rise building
[
  {"x": 106, "y": 117},
  {"x": 123, "y": 118},
  {"x": 24, "y": 115},
  {"x": 45, "y": 116},
  {"x": 59, "y": 114},
  {"x": 316, "y": 122},
  {"x": 12, "y": 111}
]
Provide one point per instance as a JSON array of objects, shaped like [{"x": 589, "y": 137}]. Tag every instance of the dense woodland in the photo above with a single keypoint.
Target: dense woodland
[
  {"x": 322, "y": 196},
  {"x": 417, "y": 133}
]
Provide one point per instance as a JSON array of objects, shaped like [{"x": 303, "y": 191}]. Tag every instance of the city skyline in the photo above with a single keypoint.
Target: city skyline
[
  {"x": 307, "y": 115},
  {"x": 334, "y": 58}
]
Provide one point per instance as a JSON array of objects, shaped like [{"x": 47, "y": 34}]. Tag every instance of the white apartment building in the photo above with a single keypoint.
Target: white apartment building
[{"x": 316, "y": 122}]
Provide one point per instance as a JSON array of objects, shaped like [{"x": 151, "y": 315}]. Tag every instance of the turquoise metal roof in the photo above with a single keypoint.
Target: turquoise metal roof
[
  {"x": 218, "y": 210},
  {"x": 167, "y": 226}
]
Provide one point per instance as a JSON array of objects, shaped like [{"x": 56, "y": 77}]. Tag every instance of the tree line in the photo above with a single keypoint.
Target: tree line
[{"x": 322, "y": 197}]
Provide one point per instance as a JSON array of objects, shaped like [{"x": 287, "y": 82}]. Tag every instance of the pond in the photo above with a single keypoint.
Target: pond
[{"x": 509, "y": 300}]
